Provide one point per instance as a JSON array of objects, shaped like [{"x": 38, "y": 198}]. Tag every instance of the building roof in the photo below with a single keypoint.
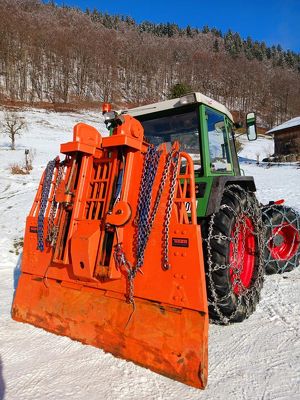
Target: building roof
[
  {"x": 286, "y": 125},
  {"x": 169, "y": 104}
]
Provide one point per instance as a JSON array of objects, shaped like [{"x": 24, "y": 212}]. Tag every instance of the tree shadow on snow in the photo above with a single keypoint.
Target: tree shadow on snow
[{"x": 2, "y": 384}]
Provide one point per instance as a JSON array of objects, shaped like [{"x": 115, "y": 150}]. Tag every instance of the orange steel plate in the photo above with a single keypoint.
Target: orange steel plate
[{"x": 176, "y": 348}]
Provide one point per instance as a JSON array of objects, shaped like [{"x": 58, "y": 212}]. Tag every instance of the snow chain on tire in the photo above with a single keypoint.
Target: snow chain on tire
[
  {"x": 225, "y": 305},
  {"x": 282, "y": 238}
]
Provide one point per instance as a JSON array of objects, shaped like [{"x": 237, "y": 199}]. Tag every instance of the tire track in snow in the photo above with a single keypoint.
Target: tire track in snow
[
  {"x": 6, "y": 188},
  {"x": 16, "y": 193}
]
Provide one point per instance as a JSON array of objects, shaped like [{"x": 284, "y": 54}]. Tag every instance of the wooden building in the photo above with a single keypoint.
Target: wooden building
[{"x": 287, "y": 137}]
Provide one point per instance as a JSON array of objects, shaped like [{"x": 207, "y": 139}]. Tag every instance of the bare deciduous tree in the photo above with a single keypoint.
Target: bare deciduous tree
[
  {"x": 12, "y": 126},
  {"x": 62, "y": 55}
]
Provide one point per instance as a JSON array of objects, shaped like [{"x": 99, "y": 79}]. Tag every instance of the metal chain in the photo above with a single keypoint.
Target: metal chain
[
  {"x": 248, "y": 209},
  {"x": 44, "y": 199},
  {"x": 143, "y": 222},
  {"x": 52, "y": 228},
  {"x": 284, "y": 218},
  {"x": 150, "y": 166},
  {"x": 122, "y": 262},
  {"x": 175, "y": 162},
  {"x": 145, "y": 217}
]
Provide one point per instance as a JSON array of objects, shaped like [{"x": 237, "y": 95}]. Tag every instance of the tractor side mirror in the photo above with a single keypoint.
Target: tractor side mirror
[{"x": 251, "y": 126}]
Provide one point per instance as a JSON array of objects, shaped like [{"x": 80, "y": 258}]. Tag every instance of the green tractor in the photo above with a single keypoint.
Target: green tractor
[{"x": 242, "y": 239}]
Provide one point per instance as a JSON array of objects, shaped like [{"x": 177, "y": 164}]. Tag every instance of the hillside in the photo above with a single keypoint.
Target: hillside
[
  {"x": 62, "y": 55},
  {"x": 257, "y": 359}
]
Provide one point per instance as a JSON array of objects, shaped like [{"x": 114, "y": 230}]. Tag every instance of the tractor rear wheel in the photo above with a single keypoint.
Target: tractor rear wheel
[
  {"x": 282, "y": 239},
  {"x": 234, "y": 256}
]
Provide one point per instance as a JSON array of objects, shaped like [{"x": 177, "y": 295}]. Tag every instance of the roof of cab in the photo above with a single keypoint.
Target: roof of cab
[{"x": 194, "y": 97}]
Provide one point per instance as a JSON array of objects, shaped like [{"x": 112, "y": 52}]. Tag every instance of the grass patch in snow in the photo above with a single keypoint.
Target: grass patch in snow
[{"x": 18, "y": 245}]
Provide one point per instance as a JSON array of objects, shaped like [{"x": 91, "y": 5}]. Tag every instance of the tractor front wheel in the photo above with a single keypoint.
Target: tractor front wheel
[{"x": 234, "y": 256}]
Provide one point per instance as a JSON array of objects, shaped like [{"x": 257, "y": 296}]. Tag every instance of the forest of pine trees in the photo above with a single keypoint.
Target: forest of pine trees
[{"x": 64, "y": 55}]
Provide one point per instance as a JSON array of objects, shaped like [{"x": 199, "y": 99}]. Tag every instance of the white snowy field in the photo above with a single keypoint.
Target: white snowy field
[{"x": 257, "y": 359}]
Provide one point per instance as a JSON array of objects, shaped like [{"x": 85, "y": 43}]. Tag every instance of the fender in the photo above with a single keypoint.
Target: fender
[{"x": 217, "y": 190}]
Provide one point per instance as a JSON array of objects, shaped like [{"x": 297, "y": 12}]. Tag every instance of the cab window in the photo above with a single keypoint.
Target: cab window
[
  {"x": 219, "y": 152},
  {"x": 233, "y": 149},
  {"x": 175, "y": 125}
]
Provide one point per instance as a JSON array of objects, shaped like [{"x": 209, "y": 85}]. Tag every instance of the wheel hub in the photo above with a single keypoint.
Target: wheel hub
[
  {"x": 242, "y": 254},
  {"x": 284, "y": 242},
  {"x": 278, "y": 240}
]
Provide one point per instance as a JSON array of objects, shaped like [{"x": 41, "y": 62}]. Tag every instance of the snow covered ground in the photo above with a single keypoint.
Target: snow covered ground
[{"x": 258, "y": 359}]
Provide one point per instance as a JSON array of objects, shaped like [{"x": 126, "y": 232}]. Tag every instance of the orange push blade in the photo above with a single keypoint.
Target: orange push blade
[{"x": 176, "y": 348}]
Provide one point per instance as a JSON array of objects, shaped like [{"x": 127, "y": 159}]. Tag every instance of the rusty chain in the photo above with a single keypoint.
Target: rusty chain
[
  {"x": 52, "y": 228},
  {"x": 44, "y": 200}
]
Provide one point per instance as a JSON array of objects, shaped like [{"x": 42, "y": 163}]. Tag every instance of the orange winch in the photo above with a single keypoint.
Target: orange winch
[{"x": 92, "y": 271}]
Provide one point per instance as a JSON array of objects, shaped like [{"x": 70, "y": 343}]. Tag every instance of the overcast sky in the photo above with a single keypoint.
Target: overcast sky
[{"x": 272, "y": 21}]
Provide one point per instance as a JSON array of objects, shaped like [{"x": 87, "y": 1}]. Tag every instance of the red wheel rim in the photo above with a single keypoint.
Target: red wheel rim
[
  {"x": 285, "y": 242},
  {"x": 242, "y": 254}
]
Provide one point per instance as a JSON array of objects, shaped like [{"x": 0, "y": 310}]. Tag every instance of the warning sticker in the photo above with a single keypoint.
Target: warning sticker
[{"x": 180, "y": 242}]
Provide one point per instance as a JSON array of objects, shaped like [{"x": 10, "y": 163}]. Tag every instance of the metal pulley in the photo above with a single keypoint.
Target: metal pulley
[{"x": 120, "y": 214}]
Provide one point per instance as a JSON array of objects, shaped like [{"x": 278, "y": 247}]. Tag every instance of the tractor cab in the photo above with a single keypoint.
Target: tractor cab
[
  {"x": 204, "y": 129},
  {"x": 201, "y": 125}
]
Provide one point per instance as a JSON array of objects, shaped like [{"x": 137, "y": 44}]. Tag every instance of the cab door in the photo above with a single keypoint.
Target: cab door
[
  {"x": 234, "y": 156},
  {"x": 218, "y": 154}
]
